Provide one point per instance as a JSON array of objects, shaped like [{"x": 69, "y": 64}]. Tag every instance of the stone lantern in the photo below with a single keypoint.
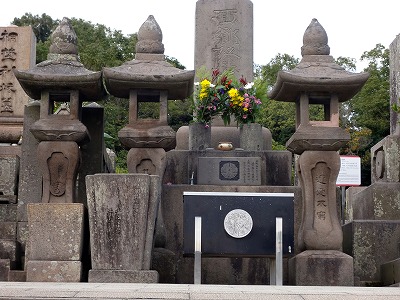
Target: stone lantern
[
  {"x": 146, "y": 79},
  {"x": 318, "y": 80},
  {"x": 56, "y": 226},
  {"x": 61, "y": 83}
]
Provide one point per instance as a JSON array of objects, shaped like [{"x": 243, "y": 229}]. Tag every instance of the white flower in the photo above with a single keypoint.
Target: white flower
[
  {"x": 197, "y": 83},
  {"x": 249, "y": 85},
  {"x": 212, "y": 85}
]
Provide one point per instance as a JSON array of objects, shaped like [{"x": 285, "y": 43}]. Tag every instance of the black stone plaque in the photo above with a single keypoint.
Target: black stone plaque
[{"x": 238, "y": 224}]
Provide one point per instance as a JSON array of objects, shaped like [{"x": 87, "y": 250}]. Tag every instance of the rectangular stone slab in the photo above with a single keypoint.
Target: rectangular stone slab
[
  {"x": 123, "y": 276},
  {"x": 55, "y": 231},
  {"x": 229, "y": 170}
]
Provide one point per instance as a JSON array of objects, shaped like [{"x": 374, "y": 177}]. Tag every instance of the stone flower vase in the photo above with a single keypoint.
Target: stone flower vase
[
  {"x": 251, "y": 137},
  {"x": 199, "y": 136}
]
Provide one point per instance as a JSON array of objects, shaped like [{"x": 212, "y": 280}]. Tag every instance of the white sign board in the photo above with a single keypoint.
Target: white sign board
[{"x": 350, "y": 171}]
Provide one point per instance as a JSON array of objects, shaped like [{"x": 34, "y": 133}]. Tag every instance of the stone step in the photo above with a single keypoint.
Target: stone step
[
  {"x": 390, "y": 272},
  {"x": 17, "y": 275},
  {"x": 8, "y": 212}
]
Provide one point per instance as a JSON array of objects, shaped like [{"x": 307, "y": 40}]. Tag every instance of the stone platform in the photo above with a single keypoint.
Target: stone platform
[{"x": 36, "y": 290}]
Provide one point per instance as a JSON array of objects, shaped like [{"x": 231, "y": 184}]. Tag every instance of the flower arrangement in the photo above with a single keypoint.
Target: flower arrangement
[{"x": 222, "y": 94}]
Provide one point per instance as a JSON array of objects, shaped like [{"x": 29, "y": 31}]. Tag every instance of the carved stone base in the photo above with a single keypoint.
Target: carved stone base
[
  {"x": 315, "y": 267},
  {"x": 53, "y": 271}
]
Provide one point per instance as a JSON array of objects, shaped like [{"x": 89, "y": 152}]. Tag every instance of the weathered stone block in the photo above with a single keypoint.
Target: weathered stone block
[
  {"x": 390, "y": 272},
  {"x": 8, "y": 230},
  {"x": 379, "y": 201},
  {"x": 229, "y": 171},
  {"x": 10, "y": 249},
  {"x": 123, "y": 276},
  {"x": 118, "y": 209},
  {"x": 8, "y": 212},
  {"x": 55, "y": 231},
  {"x": 9, "y": 167},
  {"x": 371, "y": 243},
  {"x": 385, "y": 164},
  {"x": 53, "y": 271},
  {"x": 321, "y": 268}
]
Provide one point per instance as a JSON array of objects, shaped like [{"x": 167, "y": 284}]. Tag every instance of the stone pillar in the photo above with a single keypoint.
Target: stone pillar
[
  {"x": 394, "y": 65},
  {"x": 122, "y": 210},
  {"x": 55, "y": 242},
  {"x": 224, "y": 36},
  {"x": 18, "y": 51}
]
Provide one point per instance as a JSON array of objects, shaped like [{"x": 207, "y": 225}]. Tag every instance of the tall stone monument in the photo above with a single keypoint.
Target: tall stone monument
[
  {"x": 224, "y": 36},
  {"x": 318, "y": 80},
  {"x": 62, "y": 84},
  {"x": 18, "y": 51}
]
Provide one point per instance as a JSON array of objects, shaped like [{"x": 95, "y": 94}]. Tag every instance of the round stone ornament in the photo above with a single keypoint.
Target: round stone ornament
[{"x": 238, "y": 223}]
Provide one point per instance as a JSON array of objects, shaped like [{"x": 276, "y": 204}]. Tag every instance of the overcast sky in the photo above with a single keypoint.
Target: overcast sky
[{"x": 352, "y": 26}]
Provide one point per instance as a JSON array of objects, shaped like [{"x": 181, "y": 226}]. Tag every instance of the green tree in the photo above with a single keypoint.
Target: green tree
[
  {"x": 42, "y": 27},
  {"x": 277, "y": 116}
]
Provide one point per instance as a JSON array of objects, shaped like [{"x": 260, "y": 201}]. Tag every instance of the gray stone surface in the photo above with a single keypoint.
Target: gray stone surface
[
  {"x": 125, "y": 276},
  {"x": 154, "y": 202},
  {"x": 17, "y": 275},
  {"x": 4, "y": 269},
  {"x": 53, "y": 271},
  {"x": 118, "y": 212},
  {"x": 10, "y": 249},
  {"x": 371, "y": 243},
  {"x": 379, "y": 201},
  {"x": 385, "y": 164},
  {"x": 320, "y": 228},
  {"x": 55, "y": 231},
  {"x": 224, "y": 36},
  {"x": 18, "y": 45},
  {"x": 229, "y": 171},
  {"x": 390, "y": 272},
  {"x": 8, "y": 212},
  {"x": 321, "y": 268},
  {"x": 251, "y": 137},
  {"x": 199, "y": 136},
  {"x": 30, "y": 180},
  {"x": 9, "y": 171},
  {"x": 8, "y": 230},
  {"x": 394, "y": 66}
]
